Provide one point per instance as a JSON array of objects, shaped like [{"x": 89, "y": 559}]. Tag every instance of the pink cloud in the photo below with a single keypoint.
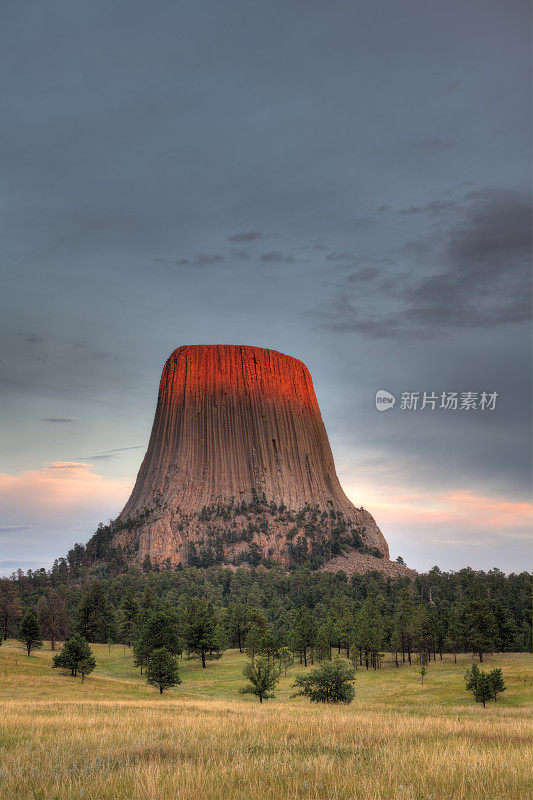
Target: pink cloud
[
  {"x": 59, "y": 487},
  {"x": 448, "y": 516}
]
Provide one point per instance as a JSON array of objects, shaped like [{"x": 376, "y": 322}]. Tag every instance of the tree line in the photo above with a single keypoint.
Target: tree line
[{"x": 313, "y": 615}]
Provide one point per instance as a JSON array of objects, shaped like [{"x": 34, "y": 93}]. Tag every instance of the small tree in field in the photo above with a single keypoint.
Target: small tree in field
[
  {"x": 263, "y": 677},
  {"x": 485, "y": 685},
  {"x": 75, "y": 651},
  {"x": 331, "y": 682},
  {"x": 86, "y": 666},
  {"x": 285, "y": 659},
  {"x": 30, "y": 632},
  {"x": 162, "y": 669},
  {"x": 497, "y": 682},
  {"x": 471, "y": 677},
  {"x": 483, "y": 689},
  {"x": 423, "y": 662}
]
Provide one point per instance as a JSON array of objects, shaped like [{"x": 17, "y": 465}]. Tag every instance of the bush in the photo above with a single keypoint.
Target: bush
[{"x": 330, "y": 682}]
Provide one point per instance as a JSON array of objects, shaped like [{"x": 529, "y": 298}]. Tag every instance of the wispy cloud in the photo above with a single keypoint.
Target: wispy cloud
[
  {"x": 249, "y": 236},
  {"x": 108, "y": 455},
  {"x": 14, "y": 528}
]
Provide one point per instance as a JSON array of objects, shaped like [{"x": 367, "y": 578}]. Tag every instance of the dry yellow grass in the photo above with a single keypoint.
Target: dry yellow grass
[{"x": 113, "y": 740}]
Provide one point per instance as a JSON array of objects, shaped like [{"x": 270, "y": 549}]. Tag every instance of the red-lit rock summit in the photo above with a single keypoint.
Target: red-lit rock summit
[{"x": 239, "y": 470}]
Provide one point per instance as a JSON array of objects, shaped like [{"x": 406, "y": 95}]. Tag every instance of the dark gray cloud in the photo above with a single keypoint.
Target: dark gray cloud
[
  {"x": 435, "y": 207},
  {"x": 452, "y": 87},
  {"x": 427, "y": 147},
  {"x": 341, "y": 257},
  {"x": 250, "y": 236},
  {"x": 201, "y": 260},
  {"x": 276, "y": 257},
  {"x": 57, "y": 419},
  {"x": 485, "y": 250},
  {"x": 363, "y": 275},
  {"x": 207, "y": 259},
  {"x": 487, "y": 280}
]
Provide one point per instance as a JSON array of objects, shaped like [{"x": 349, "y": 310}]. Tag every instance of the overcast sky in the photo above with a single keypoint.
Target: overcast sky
[{"x": 345, "y": 181}]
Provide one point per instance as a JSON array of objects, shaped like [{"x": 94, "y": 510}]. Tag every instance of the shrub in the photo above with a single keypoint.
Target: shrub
[{"x": 330, "y": 682}]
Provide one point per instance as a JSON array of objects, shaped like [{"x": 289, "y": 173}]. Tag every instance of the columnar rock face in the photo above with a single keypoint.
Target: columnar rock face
[{"x": 239, "y": 468}]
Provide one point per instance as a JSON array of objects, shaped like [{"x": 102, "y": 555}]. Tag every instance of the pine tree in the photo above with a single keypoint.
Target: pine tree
[
  {"x": 236, "y": 620},
  {"x": 485, "y": 685},
  {"x": 479, "y": 626},
  {"x": 9, "y": 607},
  {"x": 202, "y": 633},
  {"x": 455, "y": 633},
  {"x": 345, "y": 630},
  {"x": 483, "y": 689},
  {"x": 423, "y": 662},
  {"x": 94, "y": 618},
  {"x": 255, "y": 633},
  {"x": 162, "y": 669},
  {"x": 129, "y": 612},
  {"x": 74, "y": 656},
  {"x": 263, "y": 677},
  {"x": 304, "y": 632},
  {"x": 30, "y": 632},
  {"x": 285, "y": 659},
  {"x": 471, "y": 677},
  {"x": 271, "y": 643},
  {"x": 403, "y": 621},
  {"x": 424, "y": 629},
  {"x": 369, "y": 633},
  {"x": 159, "y": 631},
  {"x": 86, "y": 666},
  {"x": 323, "y": 644},
  {"x": 51, "y": 613},
  {"x": 147, "y": 605},
  {"x": 497, "y": 683}
]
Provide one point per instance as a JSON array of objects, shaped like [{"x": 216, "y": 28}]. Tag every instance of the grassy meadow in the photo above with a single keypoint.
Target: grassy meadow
[{"x": 114, "y": 737}]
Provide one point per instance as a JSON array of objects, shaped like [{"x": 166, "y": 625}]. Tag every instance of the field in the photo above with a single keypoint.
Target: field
[{"x": 115, "y": 738}]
